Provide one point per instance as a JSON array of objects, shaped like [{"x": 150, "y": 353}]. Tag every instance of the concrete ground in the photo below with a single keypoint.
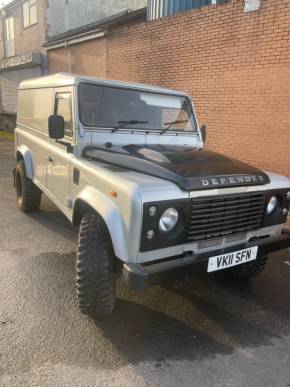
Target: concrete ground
[{"x": 206, "y": 331}]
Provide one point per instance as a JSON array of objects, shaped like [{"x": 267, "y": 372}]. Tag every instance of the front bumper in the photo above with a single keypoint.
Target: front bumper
[{"x": 141, "y": 276}]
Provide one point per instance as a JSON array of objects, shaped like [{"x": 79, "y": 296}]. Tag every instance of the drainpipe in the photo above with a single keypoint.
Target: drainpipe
[{"x": 69, "y": 56}]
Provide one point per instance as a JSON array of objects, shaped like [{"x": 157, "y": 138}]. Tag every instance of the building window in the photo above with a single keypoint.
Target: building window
[
  {"x": 9, "y": 38},
  {"x": 29, "y": 13}
]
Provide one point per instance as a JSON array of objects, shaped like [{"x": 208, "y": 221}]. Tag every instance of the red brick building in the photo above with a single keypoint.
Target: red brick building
[{"x": 235, "y": 65}]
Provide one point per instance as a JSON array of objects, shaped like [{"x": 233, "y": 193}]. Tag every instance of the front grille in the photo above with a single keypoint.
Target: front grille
[
  {"x": 228, "y": 214},
  {"x": 218, "y": 241}
]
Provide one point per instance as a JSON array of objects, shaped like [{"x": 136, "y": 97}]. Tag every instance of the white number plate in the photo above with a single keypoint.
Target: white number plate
[{"x": 235, "y": 258}]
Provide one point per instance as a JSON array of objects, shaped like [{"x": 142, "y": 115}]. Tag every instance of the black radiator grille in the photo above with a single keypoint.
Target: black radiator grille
[{"x": 224, "y": 215}]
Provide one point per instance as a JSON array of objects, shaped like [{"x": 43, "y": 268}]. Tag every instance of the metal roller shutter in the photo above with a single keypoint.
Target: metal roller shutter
[
  {"x": 160, "y": 8},
  {"x": 9, "y": 82}
]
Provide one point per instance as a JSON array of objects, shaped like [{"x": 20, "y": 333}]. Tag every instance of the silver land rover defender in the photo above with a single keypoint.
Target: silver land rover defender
[{"x": 125, "y": 162}]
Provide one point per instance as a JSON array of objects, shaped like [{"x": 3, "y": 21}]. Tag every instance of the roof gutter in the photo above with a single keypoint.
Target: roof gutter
[
  {"x": 93, "y": 30},
  {"x": 75, "y": 39}
]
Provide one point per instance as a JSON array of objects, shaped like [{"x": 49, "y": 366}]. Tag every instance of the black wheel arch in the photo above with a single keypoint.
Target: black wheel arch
[
  {"x": 19, "y": 156},
  {"x": 80, "y": 208}
]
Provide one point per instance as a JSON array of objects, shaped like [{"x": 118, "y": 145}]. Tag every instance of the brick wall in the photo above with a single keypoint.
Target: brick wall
[
  {"x": 88, "y": 58},
  {"x": 236, "y": 66},
  {"x": 58, "y": 60}
]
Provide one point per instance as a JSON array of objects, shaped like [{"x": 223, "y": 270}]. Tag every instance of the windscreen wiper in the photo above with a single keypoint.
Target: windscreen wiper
[
  {"x": 123, "y": 124},
  {"x": 170, "y": 124}
]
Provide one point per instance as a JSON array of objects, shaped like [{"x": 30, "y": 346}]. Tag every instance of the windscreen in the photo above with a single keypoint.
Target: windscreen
[{"x": 118, "y": 108}]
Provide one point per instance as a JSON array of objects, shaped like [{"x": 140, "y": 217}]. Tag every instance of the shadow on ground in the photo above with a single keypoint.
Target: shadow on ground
[{"x": 195, "y": 319}]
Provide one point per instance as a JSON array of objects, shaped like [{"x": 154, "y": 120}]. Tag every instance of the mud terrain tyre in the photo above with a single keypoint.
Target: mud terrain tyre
[
  {"x": 95, "y": 267},
  {"x": 28, "y": 194},
  {"x": 248, "y": 270}
]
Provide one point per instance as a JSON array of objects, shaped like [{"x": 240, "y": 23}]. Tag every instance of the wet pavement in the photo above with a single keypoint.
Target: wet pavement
[{"x": 206, "y": 331}]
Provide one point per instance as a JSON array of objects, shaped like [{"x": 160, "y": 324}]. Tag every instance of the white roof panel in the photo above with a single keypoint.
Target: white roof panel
[{"x": 67, "y": 79}]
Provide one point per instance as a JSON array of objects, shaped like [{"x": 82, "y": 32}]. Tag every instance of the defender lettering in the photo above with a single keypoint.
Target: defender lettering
[
  {"x": 147, "y": 208},
  {"x": 233, "y": 180}
]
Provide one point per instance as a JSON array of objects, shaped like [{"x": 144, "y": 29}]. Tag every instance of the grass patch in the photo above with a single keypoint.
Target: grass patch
[{"x": 6, "y": 135}]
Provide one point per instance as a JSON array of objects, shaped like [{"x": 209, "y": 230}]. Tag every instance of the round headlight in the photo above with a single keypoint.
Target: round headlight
[
  {"x": 168, "y": 220},
  {"x": 272, "y": 205}
]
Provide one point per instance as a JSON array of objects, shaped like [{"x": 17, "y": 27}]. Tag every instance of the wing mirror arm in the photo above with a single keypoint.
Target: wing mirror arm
[{"x": 68, "y": 145}]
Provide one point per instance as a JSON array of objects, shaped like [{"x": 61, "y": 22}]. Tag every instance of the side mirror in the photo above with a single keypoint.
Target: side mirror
[
  {"x": 203, "y": 132},
  {"x": 56, "y": 127}
]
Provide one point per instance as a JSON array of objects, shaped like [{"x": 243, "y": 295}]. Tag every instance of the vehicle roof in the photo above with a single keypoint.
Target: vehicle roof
[{"x": 67, "y": 79}]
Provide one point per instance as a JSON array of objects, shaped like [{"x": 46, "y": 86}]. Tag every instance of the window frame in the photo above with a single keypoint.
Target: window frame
[
  {"x": 29, "y": 13},
  {"x": 60, "y": 95},
  {"x": 6, "y": 35},
  {"x": 193, "y": 132}
]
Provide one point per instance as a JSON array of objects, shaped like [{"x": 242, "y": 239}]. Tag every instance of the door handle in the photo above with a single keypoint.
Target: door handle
[{"x": 50, "y": 159}]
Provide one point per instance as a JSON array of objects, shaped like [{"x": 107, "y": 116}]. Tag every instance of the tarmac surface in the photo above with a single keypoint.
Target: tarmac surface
[{"x": 206, "y": 331}]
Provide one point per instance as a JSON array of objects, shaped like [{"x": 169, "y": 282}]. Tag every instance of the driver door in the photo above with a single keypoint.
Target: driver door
[{"x": 59, "y": 158}]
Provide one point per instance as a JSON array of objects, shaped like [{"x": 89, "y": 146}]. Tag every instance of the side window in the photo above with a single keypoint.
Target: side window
[{"x": 63, "y": 108}]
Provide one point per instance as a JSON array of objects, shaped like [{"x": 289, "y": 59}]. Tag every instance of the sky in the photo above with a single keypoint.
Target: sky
[{"x": 4, "y": 2}]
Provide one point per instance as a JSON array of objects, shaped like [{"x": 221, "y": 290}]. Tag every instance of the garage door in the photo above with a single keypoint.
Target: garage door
[{"x": 9, "y": 82}]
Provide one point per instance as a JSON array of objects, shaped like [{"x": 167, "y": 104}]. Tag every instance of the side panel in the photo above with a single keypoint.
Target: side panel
[
  {"x": 34, "y": 146},
  {"x": 34, "y": 108},
  {"x": 34, "y": 149}
]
